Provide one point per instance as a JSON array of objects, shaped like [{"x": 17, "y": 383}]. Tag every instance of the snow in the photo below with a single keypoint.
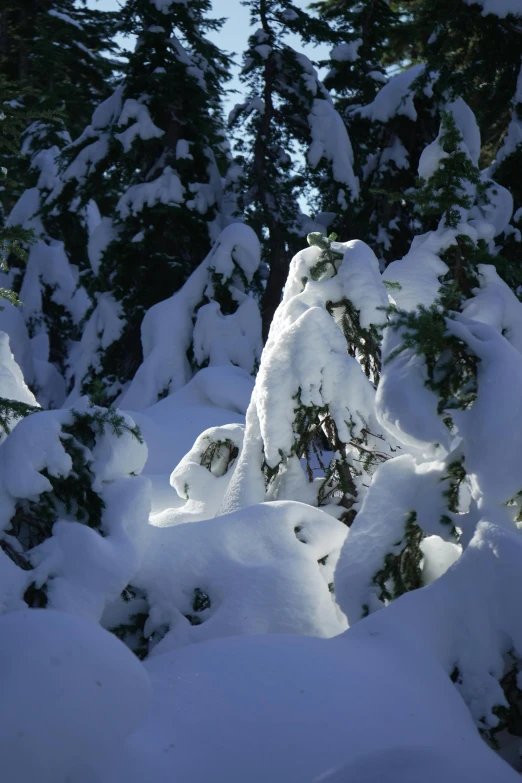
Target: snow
[
  {"x": 433, "y": 154},
  {"x": 221, "y": 340},
  {"x": 12, "y": 323},
  {"x": 496, "y": 208},
  {"x": 346, "y": 52},
  {"x": 71, "y": 694},
  {"x": 395, "y": 153},
  {"x": 467, "y": 125},
  {"x": 103, "y": 327},
  {"x": 99, "y": 239},
  {"x": 472, "y": 633},
  {"x": 494, "y": 413},
  {"x": 495, "y": 303},
  {"x": 81, "y": 568},
  {"x": 291, "y": 365},
  {"x": 64, "y": 18},
  {"x": 143, "y": 128},
  {"x": 395, "y": 97},
  {"x": 164, "y": 5},
  {"x": 405, "y": 406},
  {"x": 84, "y": 164},
  {"x": 362, "y": 282},
  {"x": 183, "y": 149},
  {"x": 165, "y": 189},
  {"x": 107, "y": 111},
  {"x": 419, "y": 273},
  {"x": 244, "y": 562},
  {"x": 305, "y": 361},
  {"x": 430, "y": 159},
  {"x": 263, "y": 50},
  {"x": 409, "y": 764},
  {"x": 438, "y": 556},
  {"x": 281, "y": 701},
  {"x": 202, "y": 488},
  {"x": 400, "y": 487},
  {"x": 330, "y": 140},
  {"x": 12, "y": 382},
  {"x": 214, "y": 397},
  {"x": 48, "y": 265},
  {"x": 241, "y": 580}
]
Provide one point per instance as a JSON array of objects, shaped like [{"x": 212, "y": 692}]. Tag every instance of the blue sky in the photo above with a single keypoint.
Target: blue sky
[{"x": 234, "y": 33}]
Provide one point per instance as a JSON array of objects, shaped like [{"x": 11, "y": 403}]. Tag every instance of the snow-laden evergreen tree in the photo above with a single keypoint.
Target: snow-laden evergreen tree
[
  {"x": 212, "y": 321},
  {"x": 13, "y": 118},
  {"x": 390, "y": 117},
  {"x": 53, "y": 53},
  {"x": 57, "y": 54},
  {"x": 451, "y": 364},
  {"x": 54, "y": 302},
  {"x": 15, "y": 236},
  {"x": 69, "y": 497},
  {"x": 151, "y": 161},
  {"x": 311, "y": 431},
  {"x": 265, "y": 569},
  {"x": 287, "y": 112},
  {"x": 484, "y": 73}
]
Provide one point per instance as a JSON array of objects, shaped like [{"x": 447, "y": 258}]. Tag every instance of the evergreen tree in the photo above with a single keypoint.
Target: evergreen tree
[
  {"x": 287, "y": 111},
  {"x": 484, "y": 73},
  {"x": 311, "y": 432},
  {"x": 57, "y": 54},
  {"x": 62, "y": 519},
  {"x": 152, "y": 159},
  {"x": 13, "y": 237},
  {"x": 212, "y": 321},
  {"x": 388, "y": 118}
]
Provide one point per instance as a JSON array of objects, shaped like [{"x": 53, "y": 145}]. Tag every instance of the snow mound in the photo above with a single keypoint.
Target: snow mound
[
  {"x": 292, "y": 709},
  {"x": 264, "y": 569},
  {"x": 71, "y": 694}
]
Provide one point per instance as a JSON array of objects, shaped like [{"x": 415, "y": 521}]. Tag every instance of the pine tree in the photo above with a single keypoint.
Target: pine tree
[
  {"x": 63, "y": 523},
  {"x": 388, "y": 116},
  {"x": 439, "y": 357},
  {"x": 287, "y": 110},
  {"x": 56, "y": 54},
  {"x": 484, "y": 73},
  {"x": 212, "y": 321},
  {"x": 152, "y": 159},
  {"x": 14, "y": 237},
  {"x": 451, "y": 353},
  {"x": 311, "y": 432}
]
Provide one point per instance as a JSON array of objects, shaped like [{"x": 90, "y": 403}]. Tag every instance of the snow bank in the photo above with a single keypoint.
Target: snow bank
[
  {"x": 265, "y": 569},
  {"x": 293, "y": 709},
  {"x": 71, "y": 694}
]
